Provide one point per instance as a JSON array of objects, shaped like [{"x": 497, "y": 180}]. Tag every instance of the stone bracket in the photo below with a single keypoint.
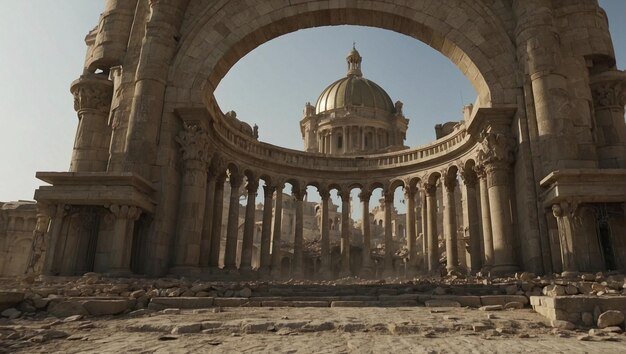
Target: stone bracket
[{"x": 584, "y": 186}]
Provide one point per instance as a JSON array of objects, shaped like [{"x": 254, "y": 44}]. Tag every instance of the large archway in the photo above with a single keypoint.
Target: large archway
[{"x": 465, "y": 32}]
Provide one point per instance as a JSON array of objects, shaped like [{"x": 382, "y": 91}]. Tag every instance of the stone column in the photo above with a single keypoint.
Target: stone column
[
  {"x": 345, "y": 232},
  {"x": 485, "y": 212},
  {"x": 470, "y": 180},
  {"x": 449, "y": 222},
  {"x": 609, "y": 97},
  {"x": 431, "y": 227},
  {"x": 389, "y": 249},
  {"x": 207, "y": 223},
  {"x": 425, "y": 221},
  {"x": 266, "y": 228},
  {"x": 40, "y": 234},
  {"x": 365, "y": 228},
  {"x": 194, "y": 144},
  {"x": 216, "y": 224},
  {"x": 121, "y": 244},
  {"x": 252, "y": 187},
  {"x": 325, "y": 239},
  {"x": 53, "y": 258},
  {"x": 298, "y": 241},
  {"x": 496, "y": 155},
  {"x": 92, "y": 101},
  {"x": 278, "y": 230},
  {"x": 566, "y": 214},
  {"x": 158, "y": 47},
  {"x": 232, "y": 228},
  {"x": 538, "y": 38},
  {"x": 411, "y": 236},
  {"x": 332, "y": 143}
]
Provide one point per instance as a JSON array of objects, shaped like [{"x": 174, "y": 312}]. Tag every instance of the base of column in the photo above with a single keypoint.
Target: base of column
[
  {"x": 324, "y": 275},
  {"x": 185, "y": 271},
  {"x": 120, "y": 272},
  {"x": 388, "y": 273},
  {"x": 503, "y": 269}
]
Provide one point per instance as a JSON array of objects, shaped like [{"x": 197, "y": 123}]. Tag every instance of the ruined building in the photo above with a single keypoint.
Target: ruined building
[{"x": 541, "y": 155}]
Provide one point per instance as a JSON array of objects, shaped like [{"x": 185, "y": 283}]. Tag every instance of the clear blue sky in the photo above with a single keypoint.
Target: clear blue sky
[{"x": 42, "y": 50}]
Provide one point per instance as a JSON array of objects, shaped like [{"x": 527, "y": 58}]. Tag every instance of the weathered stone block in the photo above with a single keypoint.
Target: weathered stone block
[{"x": 159, "y": 303}]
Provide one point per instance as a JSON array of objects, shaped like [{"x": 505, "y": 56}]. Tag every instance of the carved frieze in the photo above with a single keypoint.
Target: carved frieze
[
  {"x": 125, "y": 211},
  {"x": 469, "y": 176}
]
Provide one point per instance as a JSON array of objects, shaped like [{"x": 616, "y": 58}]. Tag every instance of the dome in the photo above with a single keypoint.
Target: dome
[{"x": 354, "y": 90}]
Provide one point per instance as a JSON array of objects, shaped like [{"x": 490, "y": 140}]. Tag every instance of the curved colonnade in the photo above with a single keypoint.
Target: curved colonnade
[{"x": 216, "y": 154}]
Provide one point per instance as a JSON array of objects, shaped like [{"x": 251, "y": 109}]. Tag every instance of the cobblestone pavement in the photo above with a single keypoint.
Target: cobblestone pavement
[{"x": 306, "y": 330}]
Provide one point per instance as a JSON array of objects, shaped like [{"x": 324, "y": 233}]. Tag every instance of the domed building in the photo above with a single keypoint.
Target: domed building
[{"x": 353, "y": 116}]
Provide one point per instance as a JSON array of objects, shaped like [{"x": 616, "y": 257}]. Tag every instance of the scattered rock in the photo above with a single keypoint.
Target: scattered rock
[
  {"x": 168, "y": 337},
  {"x": 511, "y": 289},
  {"x": 491, "y": 308},
  {"x": 72, "y": 318},
  {"x": 245, "y": 292},
  {"x": 610, "y": 318},
  {"x": 171, "y": 311},
  {"x": 513, "y": 305},
  {"x": 554, "y": 290},
  {"x": 187, "y": 328},
  {"x": 571, "y": 289},
  {"x": 11, "y": 313},
  {"x": 137, "y": 293},
  {"x": 480, "y": 327},
  {"x": 559, "y": 324},
  {"x": 62, "y": 309},
  {"x": 584, "y": 337}
]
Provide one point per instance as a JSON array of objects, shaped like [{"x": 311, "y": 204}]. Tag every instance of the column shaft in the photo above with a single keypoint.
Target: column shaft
[
  {"x": 325, "y": 239},
  {"x": 485, "y": 211},
  {"x": 52, "y": 258},
  {"x": 449, "y": 225},
  {"x": 266, "y": 228},
  {"x": 433, "y": 244},
  {"x": 248, "y": 228},
  {"x": 411, "y": 236},
  {"x": 389, "y": 247},
  {"x": 277, "y": 234},
  {"x": 501, "y": 223},
  {"x": 232, "y": 228},
  {"x": 365, "y": 228},
  {"x": 345, "y": 233},
  {"x": 205, "y": 243},
  {"x": 298, "y": 242},
  {"x": 216, "y": 234}
]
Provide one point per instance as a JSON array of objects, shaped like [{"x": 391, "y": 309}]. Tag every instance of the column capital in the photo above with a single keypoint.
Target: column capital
[
  {"x": 92, "y": 92},
  {"x": 124, "y": 211},
  {"x": 469, "y": 176},
  {"x": 389, "y": 195},
  {"x": 448, "y": 180},
  {"x": 365, "y": 195},
  {"x": 568, "y": 208},
  {"x": 236, "y": 179},
  {"x": 268, "y": 191},
  {"x": 608, "y": 89},
  {"x": 252, "y": 185},
  {"x": 324, "y": 193},
  {"x": 430, "y": 189},
  {"x": 57, "y": 210},
  {"x": 299, "y": 193},
  {"x": 409, "y": 192},
  {"x": 496, "y": 148},
  {"x": 481, "y": 173},
  {"x": 344, "y": 194},
  {"x": 195, "y": 144},
  {"x": 217, "y": 166}
]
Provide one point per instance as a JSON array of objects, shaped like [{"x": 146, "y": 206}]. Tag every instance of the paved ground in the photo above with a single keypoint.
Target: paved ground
[{"x": 305, "y": 330}]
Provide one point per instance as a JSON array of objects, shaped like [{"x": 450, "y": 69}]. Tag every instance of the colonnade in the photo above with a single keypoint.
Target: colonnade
[{"x": 487, "y": 209}]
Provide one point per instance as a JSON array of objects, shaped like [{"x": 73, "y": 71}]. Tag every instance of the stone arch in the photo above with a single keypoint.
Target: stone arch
[
  {"x": 433, "y": 177},
  {"x": 464, "y": 31}
]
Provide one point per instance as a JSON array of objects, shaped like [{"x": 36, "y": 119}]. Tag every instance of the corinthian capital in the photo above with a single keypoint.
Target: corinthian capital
[
  {"x": 496, "y": 148},
  {"x": 194, "y": 143},
  {"x": 609, "y": 89},
  {"x": 92, "y": 92}
]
